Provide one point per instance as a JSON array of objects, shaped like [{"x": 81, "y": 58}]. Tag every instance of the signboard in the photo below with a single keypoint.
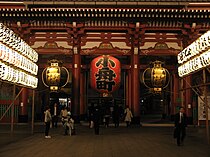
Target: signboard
[{"x": 202, "y": 108}]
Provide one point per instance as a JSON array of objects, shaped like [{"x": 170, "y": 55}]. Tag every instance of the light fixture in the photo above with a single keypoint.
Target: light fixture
[
  {"x": 196, "y": 56},
  {"x": 156, "y": 78},
  {"x": 10, "y": 2},
  {"x": 55, "y": 75},
  {"x": 17, "y": 59}
]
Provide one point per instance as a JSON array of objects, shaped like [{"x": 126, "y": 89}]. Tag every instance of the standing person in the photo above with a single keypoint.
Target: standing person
[
  {"x": 96, "y": 119},
  {"x": 55, "y": 116},
  {"x": 90, "y": 115},
  {"x": 180, "y": 126},
  {"x": 128, "y": 116},
  {"x": 47, "y": 120},
  {"x": 65, "y": 118}
]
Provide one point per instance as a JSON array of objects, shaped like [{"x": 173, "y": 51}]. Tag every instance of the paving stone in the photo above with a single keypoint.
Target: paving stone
[{"x": 146, "y": 141}]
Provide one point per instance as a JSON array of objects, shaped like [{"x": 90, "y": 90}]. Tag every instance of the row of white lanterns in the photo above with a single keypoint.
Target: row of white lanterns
[
  {"x": 9, "y": 38},
  {"x": 13, "y": 75},
  {"x": 14, "y": 58},
  {"x": 202, "y": 44},
  {"x": 195, "y": 64},
  {"x": 17, "y": 59}
]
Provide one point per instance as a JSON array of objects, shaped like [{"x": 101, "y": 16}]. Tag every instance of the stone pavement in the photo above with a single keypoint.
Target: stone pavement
[{"x": 145, "y": 141}]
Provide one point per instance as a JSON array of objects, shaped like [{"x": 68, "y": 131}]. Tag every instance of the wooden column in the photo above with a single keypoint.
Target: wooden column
[
  {"x": 135, "y": 85},
  {"x": 82, "y": 94},
  {"x": 23, "y": 104},
  {"x": 128, "y": 89},
  {"x": 23, "y": 109},
  {"x": 188, "y": 96},
  {"x": 76, "y": 84},
  {"x": 175, "y": 94},
  {"x": 182, "y": 92},
  {"x": 12, "y": 111},
  {"x": 206, "y": 105},
  {"x": 32, "y": 112}
]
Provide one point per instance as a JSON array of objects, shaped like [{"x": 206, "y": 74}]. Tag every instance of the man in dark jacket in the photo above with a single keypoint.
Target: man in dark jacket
[
  {"x": 180, "y": 126},
  {"x": 96, "y": 119}
]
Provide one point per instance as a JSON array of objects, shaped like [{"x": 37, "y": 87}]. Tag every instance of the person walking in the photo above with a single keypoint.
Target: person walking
[
  {"x": 128, "y": 116},
  {"x": 47, "y": 120},
  {"x": 180, "y": 126}
]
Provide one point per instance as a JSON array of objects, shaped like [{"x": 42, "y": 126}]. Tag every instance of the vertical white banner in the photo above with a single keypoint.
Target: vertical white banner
[{"x": 201, "y": 108}]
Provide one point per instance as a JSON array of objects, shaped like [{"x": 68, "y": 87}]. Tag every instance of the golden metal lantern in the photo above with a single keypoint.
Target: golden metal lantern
[
  {"x": 55, "y": 75},
  {"x": 156, "y": 77}
]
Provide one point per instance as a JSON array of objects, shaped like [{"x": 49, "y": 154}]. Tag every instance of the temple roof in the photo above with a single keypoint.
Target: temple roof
[
  {"x": 107, "y": 0},
  {"x": 59, "y": 16},
  {"x": 101, "y": 13},
  {"x": 138, "y": 3}
]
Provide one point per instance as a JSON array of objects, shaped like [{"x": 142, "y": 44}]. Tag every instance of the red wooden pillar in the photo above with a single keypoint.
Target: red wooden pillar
[
  {"x": 188, "y": 96},
  {"x": 182, "y": 93},
  {"x": 23, "y": 108},
  {"x": 175, "y": 95},
  {"x": 135, "y": 86},
  {"x": 76, "y": 62},
  {"x": 128, "y": 89},
  {"x": 82, "y": 93},
  {"x": 23, "y": 103}
]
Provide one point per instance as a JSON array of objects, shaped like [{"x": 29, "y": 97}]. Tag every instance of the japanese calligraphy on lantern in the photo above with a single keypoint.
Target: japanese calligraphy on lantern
[
  {"x": 105, "y": 74},
  {"x": 17, "y": 59},
  {"x": 55, "y": 75},
  {"x": 156, "y": 77},
  {"x": 196, "y": 48},
  {"x": 195, "y": 57}
]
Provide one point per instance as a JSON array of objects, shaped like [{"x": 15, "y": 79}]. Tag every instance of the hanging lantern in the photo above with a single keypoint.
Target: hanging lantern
[
  {"x": 156, "y": 77},
  {"x": 55, "y": 76},
  {"x": 105, "y": 74}
]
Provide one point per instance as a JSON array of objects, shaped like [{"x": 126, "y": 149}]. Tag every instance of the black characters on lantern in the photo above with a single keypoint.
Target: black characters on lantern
[
  {"x": 105, "y": 76},
  {"x": 53, "y": 75}
]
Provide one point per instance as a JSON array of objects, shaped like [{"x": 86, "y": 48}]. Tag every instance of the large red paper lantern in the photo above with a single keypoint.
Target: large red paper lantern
[{"x": 105, "y": 74}]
